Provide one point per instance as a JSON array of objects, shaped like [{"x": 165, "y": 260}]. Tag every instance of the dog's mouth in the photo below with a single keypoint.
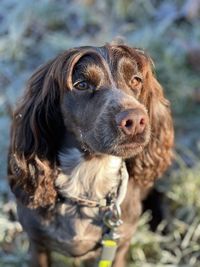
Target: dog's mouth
[
  {"x": 130, "y": 147},
  {"x": 122, "y": 146}
]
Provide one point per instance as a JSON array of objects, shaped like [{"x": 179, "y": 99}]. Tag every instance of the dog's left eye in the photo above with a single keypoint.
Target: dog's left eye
[
  {"x": 83, "y": 85},
  {"x": 136, "y": 84},
  {"x": 136, "y": 81}
]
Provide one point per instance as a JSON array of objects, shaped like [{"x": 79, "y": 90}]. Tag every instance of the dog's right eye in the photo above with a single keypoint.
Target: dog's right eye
[{"x": 83, "y": 85}]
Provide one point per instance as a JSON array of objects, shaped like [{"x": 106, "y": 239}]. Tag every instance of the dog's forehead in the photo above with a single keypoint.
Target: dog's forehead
[
  {"x": 124, "y": 55},
  {"x": 107, "y": 58}
]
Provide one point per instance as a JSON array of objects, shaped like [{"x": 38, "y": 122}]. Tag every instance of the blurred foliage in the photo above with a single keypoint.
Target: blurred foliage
[
  {"x": 176, "y": 241},
  {"x": 32, "y": 32}
]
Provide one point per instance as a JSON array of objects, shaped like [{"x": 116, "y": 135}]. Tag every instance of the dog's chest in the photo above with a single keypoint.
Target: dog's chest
[
  {"x": 72, "y": 233},
  {"x": 79, "y": 228},
  {"x": 73, "y": 229},
  {"x": 91, "y": 179}
]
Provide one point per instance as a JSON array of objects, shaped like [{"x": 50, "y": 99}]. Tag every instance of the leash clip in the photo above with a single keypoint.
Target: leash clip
[
  {"x": 112, "y": 221},
  {"x": 112, "y": 218}
]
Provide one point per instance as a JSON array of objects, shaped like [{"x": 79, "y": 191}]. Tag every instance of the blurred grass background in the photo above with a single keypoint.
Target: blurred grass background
[{"x": 31, "y": 32}]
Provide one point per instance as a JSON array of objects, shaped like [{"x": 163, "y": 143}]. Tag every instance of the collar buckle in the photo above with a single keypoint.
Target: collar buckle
[{"x": 112, "y": 217}]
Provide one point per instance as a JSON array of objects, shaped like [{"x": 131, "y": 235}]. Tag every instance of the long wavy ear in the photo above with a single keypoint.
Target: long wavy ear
[
  {"x": 36, "y": 133},
  {"x": 157, "y": 155}
]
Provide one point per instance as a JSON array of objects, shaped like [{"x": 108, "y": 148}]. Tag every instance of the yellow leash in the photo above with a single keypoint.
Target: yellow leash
[
  {"x": 108, "y": 253},
  {"x": 109, "y": 241},
  {"x": 112, "y": 220}
]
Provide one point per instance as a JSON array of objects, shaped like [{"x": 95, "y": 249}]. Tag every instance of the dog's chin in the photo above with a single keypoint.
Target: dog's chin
[
  {"x": 119, "y": 147},
  {"x": 128, "y": 150}
]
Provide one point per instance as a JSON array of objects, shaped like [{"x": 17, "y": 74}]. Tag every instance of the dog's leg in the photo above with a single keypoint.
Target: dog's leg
[
  {"x": 120, "y": 258},
  {"x": 40, "y": 257}
]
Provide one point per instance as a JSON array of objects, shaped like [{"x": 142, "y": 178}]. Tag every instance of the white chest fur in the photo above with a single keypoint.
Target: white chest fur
[{"x": 93, "y": 178}]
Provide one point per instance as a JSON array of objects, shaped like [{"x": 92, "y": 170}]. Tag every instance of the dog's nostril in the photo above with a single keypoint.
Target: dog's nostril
[
  {"x": 141, "y": 125},
  {"x": 142, "y": 121},
  {"x": 128, "y": 124}
]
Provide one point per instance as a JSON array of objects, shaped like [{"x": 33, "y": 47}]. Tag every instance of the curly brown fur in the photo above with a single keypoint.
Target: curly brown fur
[
  {"x": 81, "y": 115},
  {"x": 157, "y": 155}
]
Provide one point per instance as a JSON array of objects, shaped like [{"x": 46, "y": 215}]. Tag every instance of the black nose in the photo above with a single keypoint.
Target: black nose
[{"x": 132, "y": 121}]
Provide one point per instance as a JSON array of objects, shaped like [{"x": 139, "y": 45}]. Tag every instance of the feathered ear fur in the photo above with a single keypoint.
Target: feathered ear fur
[
  {"x": 157, "y": 155},
  {"x": 37, "y": 129}
]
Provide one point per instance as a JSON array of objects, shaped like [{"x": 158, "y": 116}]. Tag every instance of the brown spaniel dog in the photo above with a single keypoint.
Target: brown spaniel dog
[{"x": 88, "y": 119}]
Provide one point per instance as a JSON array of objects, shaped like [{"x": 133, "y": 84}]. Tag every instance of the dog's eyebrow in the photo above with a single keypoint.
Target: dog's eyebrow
[{"x": 96, "y": 55}]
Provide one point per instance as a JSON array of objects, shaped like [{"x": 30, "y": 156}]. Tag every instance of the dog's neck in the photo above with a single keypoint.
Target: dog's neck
[{"x": 88, "y": 177}]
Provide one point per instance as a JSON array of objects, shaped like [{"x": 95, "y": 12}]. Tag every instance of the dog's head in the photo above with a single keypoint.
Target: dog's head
[
  {"x": 107, "y": 98},
  {"x": 101, "y": 102}
]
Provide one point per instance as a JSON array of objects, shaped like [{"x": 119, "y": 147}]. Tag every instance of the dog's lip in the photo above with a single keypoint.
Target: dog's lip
[
  {"x": 128, "y": 150},
  {"x": 131, "y": 145},
  {"x": 134, "y": 141}
]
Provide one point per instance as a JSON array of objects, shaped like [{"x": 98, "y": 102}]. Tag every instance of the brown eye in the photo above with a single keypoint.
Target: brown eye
[
  {"x": 136, "y": 82},
  {"x": 83, "y": 85},
  {"x": 136, "y": 85}
]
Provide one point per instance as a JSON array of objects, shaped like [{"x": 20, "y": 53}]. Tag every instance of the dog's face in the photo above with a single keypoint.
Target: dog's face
[{"x": 101, "y": 104}]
